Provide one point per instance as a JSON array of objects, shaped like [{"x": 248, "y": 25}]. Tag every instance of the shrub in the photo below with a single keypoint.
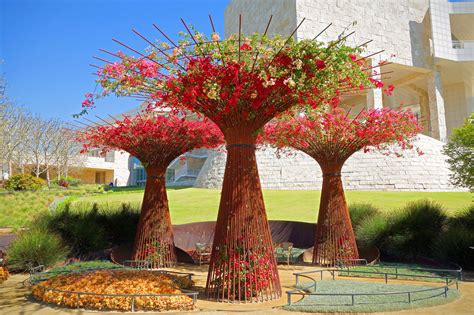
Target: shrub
[
  {"x": 35, "y": 247},
  {"x": 66, "y": 181},
  {"x": 372, "y": 231},
  {"x": 3, "y": 274},
  {"x": 464, "y": 218},
  {"x": 460, "y": 152},
  {"x": 454, "y": 246},
  {"x": 454, "y": 243},
  {"x": 414, "y": 230},
  {"x": 81, "y": 231},
  {"x": 86, "y": 227},
  {"x": 24, "y": 182},
  {"x": 361, "y": 211},
  {"x": 121, "y": 223},
  {"x": 63, "y": 183}
]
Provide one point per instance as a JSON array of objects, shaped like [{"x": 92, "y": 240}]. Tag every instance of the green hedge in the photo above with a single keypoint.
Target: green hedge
[
  {"x": 423, "y": 229},
  {"x": 85, "y": 228},
  {"x": 24, "y": 182}
]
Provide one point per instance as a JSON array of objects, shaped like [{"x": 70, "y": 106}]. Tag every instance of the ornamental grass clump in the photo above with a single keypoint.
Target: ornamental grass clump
[
  {"x": 361, "y": 211},
  {"x": 415, "y": 229},
  {"x": 35, "y": 247},
  {"x": 156, "y": 140}
]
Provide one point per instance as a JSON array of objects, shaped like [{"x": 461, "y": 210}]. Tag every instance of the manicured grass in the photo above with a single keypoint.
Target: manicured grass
[
  {"x": 193, "y": 204},
  {"x": 374, "y": 303},
  {"x": 17, "y": 209}
]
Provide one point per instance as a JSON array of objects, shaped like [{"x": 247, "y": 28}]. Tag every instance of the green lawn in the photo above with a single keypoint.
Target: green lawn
[
  {"x": 17, "y": 209},
  {"x": 193, "y": 204}
]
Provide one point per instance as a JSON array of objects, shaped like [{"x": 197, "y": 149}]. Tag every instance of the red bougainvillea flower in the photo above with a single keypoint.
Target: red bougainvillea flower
[
  {"x": 156, "y": 140},
  {"x": 89, "y": 101},
  {"x": 375, "y": 129},
  {"x": 330, "y": 137},
  {"x": 153, "y": 138},
  {"x": 239, "y": 83}
]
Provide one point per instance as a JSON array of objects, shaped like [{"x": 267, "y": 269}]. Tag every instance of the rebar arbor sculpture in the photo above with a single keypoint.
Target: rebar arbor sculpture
[
  {"x": 239, "y": 83},
  {"x": 156, "y": 141},
  {"x": 330, "y": 137}
]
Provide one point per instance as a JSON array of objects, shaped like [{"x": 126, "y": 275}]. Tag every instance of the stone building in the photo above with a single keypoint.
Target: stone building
[{"x": 431, "y": 47}]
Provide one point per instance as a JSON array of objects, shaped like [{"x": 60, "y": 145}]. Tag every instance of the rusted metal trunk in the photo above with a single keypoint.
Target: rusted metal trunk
[
  {"x": 154, "y": 238},
  {"x": 335, "y": 238},
  {"x": 243, "y": 266}
]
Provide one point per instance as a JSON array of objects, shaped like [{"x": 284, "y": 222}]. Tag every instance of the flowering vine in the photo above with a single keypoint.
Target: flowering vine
[
  {"x": 331, "y": 136},
  {"x": 156, "y": 140}
]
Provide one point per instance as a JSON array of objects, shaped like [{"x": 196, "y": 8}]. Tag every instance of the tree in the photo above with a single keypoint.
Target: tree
[
  {"x": 44, "y": 136},
  {"x": 156, "y": 141},
  {"x": 331, "y": 136},
  {"x": 460, "y": 150},
  {"x": 15, "y": 124},
  {"x": 239, "y": 83},
  {"x": 66, "y": 153}
]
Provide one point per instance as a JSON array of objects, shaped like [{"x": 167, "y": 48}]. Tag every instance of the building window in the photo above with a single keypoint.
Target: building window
[
  {"x": 100, "y": 177},
  {"x": 95, "y": 153},
  {"x": 110, "y": 156},
  {"x": 140, "y": 176}
]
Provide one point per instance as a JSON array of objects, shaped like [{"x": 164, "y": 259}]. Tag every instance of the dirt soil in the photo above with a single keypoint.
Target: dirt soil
[{"x": 15, "y": 299}]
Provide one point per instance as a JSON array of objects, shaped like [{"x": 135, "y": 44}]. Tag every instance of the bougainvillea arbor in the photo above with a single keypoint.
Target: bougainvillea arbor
[
  {"x": 156, "y": 140},
  {"x": 330, "y": 137},
  {"x": 239, "y": 83}
]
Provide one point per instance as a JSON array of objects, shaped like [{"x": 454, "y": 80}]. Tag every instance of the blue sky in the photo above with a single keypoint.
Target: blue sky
[{"x": 47, "y": 45}]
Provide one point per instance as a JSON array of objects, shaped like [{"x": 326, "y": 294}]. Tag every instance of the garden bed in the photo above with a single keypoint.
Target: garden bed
[
  {"x": 317, "y": 294},
  {"x": 362, "y": 296},
  {"x": 118, "y": 290}
]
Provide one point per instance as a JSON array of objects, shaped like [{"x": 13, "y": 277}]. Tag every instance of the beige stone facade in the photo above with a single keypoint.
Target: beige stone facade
[{"x": 429, "y": 42}]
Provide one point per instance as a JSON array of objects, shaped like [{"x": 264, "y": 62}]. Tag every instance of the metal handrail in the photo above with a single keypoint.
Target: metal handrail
[
  {"x": 353, "y": 295},
  {"x": 396, "y": 267},
  {"x": 320, "y": 271},
  {"x": 340, "y": 262},
  {"x": 31, "y": 280}
]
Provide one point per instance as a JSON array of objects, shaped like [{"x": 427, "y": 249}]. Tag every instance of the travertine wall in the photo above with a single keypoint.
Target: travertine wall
[
  {"x": 397, "y": 26},
  {"x": 363, "y": 171},
  {"x": 255, "y": 16},
  {"x": 456, "y": 112},
  {"x": 121, "y": 169}
]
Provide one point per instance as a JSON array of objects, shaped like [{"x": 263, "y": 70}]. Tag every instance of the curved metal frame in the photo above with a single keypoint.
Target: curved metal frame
[{"x": 445, "y": 288}]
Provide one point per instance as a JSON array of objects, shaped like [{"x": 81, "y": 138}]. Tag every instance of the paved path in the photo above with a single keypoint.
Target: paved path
[{"x": 14, "y": 299}]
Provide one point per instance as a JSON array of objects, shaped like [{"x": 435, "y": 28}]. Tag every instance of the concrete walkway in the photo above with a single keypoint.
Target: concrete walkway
[{"x": 14, "y": 299}]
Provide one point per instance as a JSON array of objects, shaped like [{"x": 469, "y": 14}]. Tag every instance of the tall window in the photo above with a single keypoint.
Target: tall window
[{"x": 100, "y": 177}]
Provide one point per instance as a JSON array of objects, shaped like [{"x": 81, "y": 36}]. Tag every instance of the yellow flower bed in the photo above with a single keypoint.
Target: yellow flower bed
[
  {"x": 113, "y": 281},
  {"x": 3, "y": 274}
]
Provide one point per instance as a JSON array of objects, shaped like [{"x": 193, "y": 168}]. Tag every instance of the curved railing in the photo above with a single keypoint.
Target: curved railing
[
  {"x": 147, "y": 265},
  {"x": 309, "y": 289},
  {"x": 453, "y": 272}
]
